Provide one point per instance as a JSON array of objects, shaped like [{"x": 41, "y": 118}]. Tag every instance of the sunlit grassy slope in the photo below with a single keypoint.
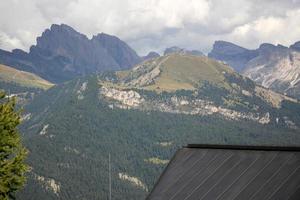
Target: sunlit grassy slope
[
  {"x": 186, "y": 72},
  {"x": 11, "y": 75},
  {"x": 177, "y": 71}
]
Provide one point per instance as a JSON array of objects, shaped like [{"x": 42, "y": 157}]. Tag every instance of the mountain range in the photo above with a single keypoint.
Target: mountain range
[
  {"x": 274, "y": 67},
  {"x": 61, "y": 53},
  {"x": 85, "y": 99}
]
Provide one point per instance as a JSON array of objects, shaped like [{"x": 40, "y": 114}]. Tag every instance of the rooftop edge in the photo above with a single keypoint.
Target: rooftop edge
[{"x": 244, "y": 147}]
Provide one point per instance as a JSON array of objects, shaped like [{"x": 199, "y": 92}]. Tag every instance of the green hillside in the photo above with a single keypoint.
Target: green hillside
[{"x": 24, "y": 79}]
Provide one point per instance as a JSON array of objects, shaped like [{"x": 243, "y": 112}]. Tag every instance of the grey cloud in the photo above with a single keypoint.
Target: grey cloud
[{"x": 156, "y": 24}]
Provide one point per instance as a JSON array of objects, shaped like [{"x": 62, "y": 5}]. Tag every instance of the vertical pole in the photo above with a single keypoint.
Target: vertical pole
[{"x": 109, "y": 170}]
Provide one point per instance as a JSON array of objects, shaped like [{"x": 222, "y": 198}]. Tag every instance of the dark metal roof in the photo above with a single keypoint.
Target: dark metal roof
[
  {"x": 245, "y": 147},
  {"x": 215, "y": 172}
]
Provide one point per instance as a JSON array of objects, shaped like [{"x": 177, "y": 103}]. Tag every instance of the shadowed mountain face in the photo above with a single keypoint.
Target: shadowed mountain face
[
  {"x": 119, "y": 50},
  {"x": 234, "y": 55},
  {"x": 296, "y": 46},
  {"x": 151, "y": 55},
  {"x": 62, "y": 53},
  {"x": 274, "y": 67}
]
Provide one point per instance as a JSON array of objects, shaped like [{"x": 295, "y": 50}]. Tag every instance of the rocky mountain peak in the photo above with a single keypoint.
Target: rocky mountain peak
[
  {"x": 150, "y": 55},
  {"x": 62, "y": 53},
  {"x": 234, "y": 55},
  {"x": 175, "y": 49},
  {"x": 267, "y": 47},
  {"x": 269, "y": 50},
  {"x": 295, "y": 46},
  {"x": 58, "y": 36},
  {"x": 223, "y": 47},
  {"x": 124, "y": 55},
  {"x": 62, "y": 27},
  {"x": 19, "y": 52},
  {"x": 106, "y": 37},
  {"x": 277, "y": 68}
]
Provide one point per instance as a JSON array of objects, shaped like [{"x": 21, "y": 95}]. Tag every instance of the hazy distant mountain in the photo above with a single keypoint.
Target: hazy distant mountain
[
  {"x": 62, "y": 53},
  {"x": 274, "y": 67},
  {"x": 296, "y": 46},
  {"x": 234, "y": 55},
  {"x": 176, "y": 49},
  {"x": 151, "y": 55},
  {"x": 141, "y": 116},
  {"x": 277, "y": 68}
]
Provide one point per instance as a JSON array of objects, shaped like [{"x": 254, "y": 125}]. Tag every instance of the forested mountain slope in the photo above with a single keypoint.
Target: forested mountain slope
[{"x": 141, "y": 116}]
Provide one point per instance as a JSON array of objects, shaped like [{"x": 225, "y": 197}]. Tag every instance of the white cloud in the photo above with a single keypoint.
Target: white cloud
[
  {"x": 277, "y": 30},
  {"x": 8, "y": 42},
  {"x": 155, "y": 24}
]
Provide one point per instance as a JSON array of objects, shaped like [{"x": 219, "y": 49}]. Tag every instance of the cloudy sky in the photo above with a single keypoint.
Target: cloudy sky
[{"x": 155, "y": 24}]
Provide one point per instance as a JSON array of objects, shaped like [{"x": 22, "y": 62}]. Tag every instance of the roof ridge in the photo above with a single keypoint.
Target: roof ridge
[{"x": 244, "y": 147}]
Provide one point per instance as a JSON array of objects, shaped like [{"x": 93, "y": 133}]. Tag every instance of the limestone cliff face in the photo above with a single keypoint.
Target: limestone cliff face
[
  {"x": 277, "y": 68},
  {"x": 273, "y": 66},
  {"x": 161, "y": 85},
  {"x": 130, "y": 99}
]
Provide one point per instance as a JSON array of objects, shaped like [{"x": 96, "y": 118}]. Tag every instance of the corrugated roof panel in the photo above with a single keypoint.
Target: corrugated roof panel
[{"x": 233, "y": 173}]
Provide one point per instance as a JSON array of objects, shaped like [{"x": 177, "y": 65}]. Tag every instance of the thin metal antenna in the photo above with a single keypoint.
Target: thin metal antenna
[{"x": 109, "y": 172}]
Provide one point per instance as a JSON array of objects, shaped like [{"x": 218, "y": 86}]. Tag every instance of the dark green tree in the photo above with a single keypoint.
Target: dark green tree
[{"x": 12, "y": 153}]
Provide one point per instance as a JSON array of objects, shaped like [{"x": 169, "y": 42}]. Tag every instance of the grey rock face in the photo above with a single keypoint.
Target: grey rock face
[
  {"x": 277, "y": 68},
  {"x": 62, "y": 53},
  {"x": 176, "y": 49},
  {"x": 80, "y": 56},
  {"x": 273, "y": 66},
  {"x": 151, "y": 55},
  {"x": 125, "y": 56},
  {"x": 296, "y": 46},
  {"x": 232, "y": 54}
]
